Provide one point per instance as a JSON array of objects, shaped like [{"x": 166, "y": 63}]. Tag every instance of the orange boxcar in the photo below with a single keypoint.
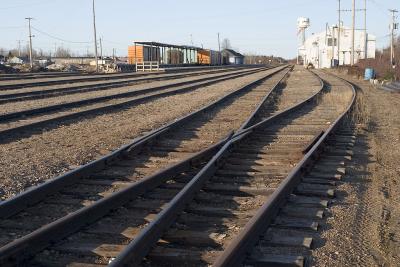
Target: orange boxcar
[
  {"x": 208, "y": 57},
  {"x": 141, "y": 53}
]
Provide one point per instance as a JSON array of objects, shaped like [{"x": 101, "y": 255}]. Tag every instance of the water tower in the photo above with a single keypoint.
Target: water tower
[{"x": 302, "y": 25}]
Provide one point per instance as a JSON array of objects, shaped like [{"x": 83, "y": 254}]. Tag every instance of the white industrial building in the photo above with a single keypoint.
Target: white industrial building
[{"x": 321, "y": 49}]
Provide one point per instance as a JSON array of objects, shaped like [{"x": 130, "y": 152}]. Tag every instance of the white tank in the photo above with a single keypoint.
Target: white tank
[{"x": 303, "y": 23}]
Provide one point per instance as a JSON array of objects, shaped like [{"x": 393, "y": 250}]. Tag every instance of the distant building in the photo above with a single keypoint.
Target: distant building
[
  {"x": 103, "y": 61},
  {"x": 43, "y": 62},
  {"x": 72, "y": 60},
  {"x": 17, "y": 60},
  {"x": 321, "y": 49},
  {"x": 231, "y": 57}
]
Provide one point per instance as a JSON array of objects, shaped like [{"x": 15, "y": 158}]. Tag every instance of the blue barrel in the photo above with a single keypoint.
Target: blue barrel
[{"x": 369, "y": 74}]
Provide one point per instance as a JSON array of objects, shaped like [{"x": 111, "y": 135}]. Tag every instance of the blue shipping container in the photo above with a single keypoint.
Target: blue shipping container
[{"x": 369, "y": 74}]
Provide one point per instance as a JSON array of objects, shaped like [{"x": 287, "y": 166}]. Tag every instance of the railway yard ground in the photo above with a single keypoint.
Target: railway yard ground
[
  {"x": 249, "y": 166},
  {"x": 364, "y": 226}
]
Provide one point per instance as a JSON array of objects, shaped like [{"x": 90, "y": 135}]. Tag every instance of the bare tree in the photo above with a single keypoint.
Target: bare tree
[
  {"x": 62, "y": 52},
  {"x": 226, "y": 44}
]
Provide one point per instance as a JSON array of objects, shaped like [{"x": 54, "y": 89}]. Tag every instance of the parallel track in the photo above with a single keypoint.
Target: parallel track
[
  {"x": 12, "y": 124},
  {"x": 210, "y": 208},
  {"x": 218, "y": 217},
  {"x": 165, "y": 146},
  {"x": 116, "y": 82},
  {"x": 281, "y": 232},
  {"x": 38, "y": 75},
  {"x": 93, "y": 78}
]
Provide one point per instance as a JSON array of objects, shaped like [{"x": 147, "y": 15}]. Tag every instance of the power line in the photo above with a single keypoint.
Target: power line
[
  {"x": 379, "y": 6},
  {"x": 25, "y": 5},
  {"x": 383, "y": 37},
  {"x": 59, "y": 39},
  {"x": 12, "y": 27}
]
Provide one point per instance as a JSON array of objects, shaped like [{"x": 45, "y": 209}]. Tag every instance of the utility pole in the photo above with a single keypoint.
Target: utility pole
[
  {"x": 101, "y": 50},
  {"x": 19, "y": 47},
  {"x": 339, "y": 32},
  {"x": 333, "y": 46},
  {"x": 365, "y": 31},
  {"x": 393, "y": 26},
  {"x": 353, "y": 32},
  {"x": 219, "y": 50},
  {"x": 30, "y": 43},
  {"x": 95, "y": 39}
]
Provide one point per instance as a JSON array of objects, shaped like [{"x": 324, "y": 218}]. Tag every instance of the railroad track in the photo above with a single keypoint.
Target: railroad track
[
  {"x": 39, "y": 75},
  {"x": 220, "y": 209},
  {"x": 116, "y": 82},
  {"x": 218, "y": 217},
  {"x": 178, "y": 149},
  {"x": 290, "y": 236},
  {"x": 16, "y": 123},
  {"x": 9, "y": 86}
]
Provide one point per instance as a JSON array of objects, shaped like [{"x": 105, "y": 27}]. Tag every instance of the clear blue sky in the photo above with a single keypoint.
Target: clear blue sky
[{"x": 258, "y": 26}]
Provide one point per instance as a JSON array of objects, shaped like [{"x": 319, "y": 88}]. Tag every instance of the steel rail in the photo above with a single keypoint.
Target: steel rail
[
  {"x": 112, "y": 107},
  {"x": 28, "y": 245},
  {"x": 58, "y": 82},
  {"x": 37, "y": 193},
  {"x": 23, "y": 96},
  {"x": 234, "y": 254},
  {"x": 51, "y": 74},
  {"x": 68, "y": 81},
  {"x": 37, "y": 240},
  {"x": 40, "y": 75},
  {"x": 133, "y": 254},
  {"x": 257, "y": 110},
  {"x": 35, "y": 111}
]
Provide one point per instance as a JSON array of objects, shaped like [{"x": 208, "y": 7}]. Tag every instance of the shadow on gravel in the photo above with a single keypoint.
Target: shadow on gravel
[
  {"x": 356, "y": 174},
  {"x": 229, "y": 199},
  {"x": 168, "y": 149}
]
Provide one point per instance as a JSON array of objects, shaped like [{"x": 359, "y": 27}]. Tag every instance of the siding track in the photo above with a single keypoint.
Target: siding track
[
  {"x": 26, "y": 121},
  {"x": 32, "y": 91},
  {"x": 218, "y": 217},
  {"x": 90, "y": 192}
]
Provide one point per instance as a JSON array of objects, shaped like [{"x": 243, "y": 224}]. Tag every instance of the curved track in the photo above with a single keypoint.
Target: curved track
[
  {"x": 180, "y": 201},
  {"x": 217, "y": 219},
  {"x": 163, "y": 147}
]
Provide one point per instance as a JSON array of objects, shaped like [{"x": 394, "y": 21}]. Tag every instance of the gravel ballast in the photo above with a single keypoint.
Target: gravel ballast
[
  {"x": 42, "y": 156},
  {"x": 7, "y": 108},
  {"x": 363, "y": 227}
]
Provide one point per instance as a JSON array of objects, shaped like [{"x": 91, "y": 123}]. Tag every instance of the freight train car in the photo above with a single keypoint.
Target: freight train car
[
  {"x": 175, "y": 57},
  {"x": 140, "y": 53},
  {"x": 208, "y": 57}
]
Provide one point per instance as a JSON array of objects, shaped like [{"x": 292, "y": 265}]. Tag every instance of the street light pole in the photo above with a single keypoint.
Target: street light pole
[{"x": 95, "y": 38}]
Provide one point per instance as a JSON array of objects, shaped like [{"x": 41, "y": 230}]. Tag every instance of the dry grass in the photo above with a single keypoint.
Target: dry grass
[
  {"x": 339, "y": 98},
  {"x": 361, "y": 113}
]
